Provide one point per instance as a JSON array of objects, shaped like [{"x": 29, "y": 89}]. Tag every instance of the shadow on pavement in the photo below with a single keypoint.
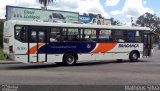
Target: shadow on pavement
[
  {"x": 42, "y": 66},
  {"x": 31, "y": 66},
  {"x": 108, "y": 62}
]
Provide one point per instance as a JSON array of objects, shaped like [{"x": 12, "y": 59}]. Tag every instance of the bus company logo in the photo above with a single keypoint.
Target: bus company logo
[{"x": 128, "y": 45}]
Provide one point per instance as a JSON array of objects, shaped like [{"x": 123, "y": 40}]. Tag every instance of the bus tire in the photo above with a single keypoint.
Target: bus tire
[
  {"x": 69, "y": 59},
  {"x": 133, "y": 56}
]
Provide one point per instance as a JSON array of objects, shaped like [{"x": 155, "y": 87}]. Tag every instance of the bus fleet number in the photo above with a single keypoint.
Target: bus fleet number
[{"x": 21, "y": 48}]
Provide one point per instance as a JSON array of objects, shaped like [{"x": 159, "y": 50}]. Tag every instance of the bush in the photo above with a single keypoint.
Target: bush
[{"x": 1, "y": 54}]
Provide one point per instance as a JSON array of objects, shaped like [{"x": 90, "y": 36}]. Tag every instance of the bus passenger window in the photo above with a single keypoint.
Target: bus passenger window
[
  {"x": 119, "y": 36},
  {"x": 53, "y": 39},
  {"x": 130, "y": 36},
  {"x": 89, "y": 35},
  {"x": 64, "y": 34},
  {"x": 41, "y": 37},
  {"x": 33, "y": 36},
  {"x": 20, "y": 33},
  {"x": 125, "y": 36},
  {"x": 104, "y": 36},
  {"x": 70, "y": 34},
  {"x": 118, "y": 39},
  {"x": 138, "y": 37},
  {"x": 55, "y": 35},
  {"x": 73, "y": 34}
]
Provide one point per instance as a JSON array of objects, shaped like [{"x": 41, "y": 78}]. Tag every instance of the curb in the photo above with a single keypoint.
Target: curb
[{"x": 9, "y": 62}]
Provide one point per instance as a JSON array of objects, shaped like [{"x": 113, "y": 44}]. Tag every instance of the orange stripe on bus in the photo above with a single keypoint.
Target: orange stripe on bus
[
  {"x": 33, "y": 49},
  {"x": 104, "y": 47}
]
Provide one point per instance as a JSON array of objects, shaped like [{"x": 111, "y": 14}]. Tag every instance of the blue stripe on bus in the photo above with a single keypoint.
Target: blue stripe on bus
[{"x": 62, "y": 47}]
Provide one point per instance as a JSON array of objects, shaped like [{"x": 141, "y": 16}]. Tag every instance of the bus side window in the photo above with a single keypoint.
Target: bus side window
[
  {"x": 64, "y": 34},
  {"x": 89, "y": 35},
  {"x": 73, "y": 34},
  {"x": 20, "y": 33},
  {"x": 138, "y": 36},
  {"x": 33, "y": 36},
  {"x": 119, "y": 36},
  {"x": 130, "y": 36},
  {"x": 41, "y": 36},
  {"x": 105, "y": 36},
  {"x": 55, "y": 35},
  {"x": 127, "y": 36},
  {"x": 70, "y": 34}
]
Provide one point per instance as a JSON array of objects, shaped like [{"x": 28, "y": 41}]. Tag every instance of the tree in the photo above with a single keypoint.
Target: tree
[
  {"x": 1, "y": 33},
  {"x": 100, "y": 16},
  {"x": 45, "y": 2},
  {"x": 114, "y": 22},
  {"x": 149, "y": 20},
  {"x": 92, "y": 15},
  {"x": 85, "y": 14},
  {"x": 152, "y": 21}
]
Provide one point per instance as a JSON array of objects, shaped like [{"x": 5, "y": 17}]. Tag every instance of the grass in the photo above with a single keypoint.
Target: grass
[{"x": 1, "y": 54}]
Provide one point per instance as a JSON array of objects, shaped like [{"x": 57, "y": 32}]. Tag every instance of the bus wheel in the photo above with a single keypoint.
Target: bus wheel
[
  {"x": 133, "y": 56},
  {"x": 69, "y": 59}
]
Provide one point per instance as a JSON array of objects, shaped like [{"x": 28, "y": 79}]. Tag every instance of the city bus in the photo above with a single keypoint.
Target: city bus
[{"x": 68, "y": 43}]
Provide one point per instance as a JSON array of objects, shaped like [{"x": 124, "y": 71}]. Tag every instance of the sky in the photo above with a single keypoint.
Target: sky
[{"x": 121, "y": 10}]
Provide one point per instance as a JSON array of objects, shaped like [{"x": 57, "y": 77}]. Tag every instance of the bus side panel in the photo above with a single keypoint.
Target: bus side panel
[
  {"x": 87, "y": 57},
  {"x": 105, "y": 56},
  {"x": 21, "y": 58},
  {"x": 54, "y": 58},
  {"x": 122, "y": 50},
  {"x": 21, "y": 51},
  {"x": 95, "y": 56},
  {"x": 55, "y": 51}
]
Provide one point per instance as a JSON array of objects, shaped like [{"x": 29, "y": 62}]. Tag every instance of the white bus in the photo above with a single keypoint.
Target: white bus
[{"x": 32, "y": 42}]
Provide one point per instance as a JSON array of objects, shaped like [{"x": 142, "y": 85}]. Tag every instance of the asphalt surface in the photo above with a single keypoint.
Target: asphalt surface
[{"x": 109, "y": 72}]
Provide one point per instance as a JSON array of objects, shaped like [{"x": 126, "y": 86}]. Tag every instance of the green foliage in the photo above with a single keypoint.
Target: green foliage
[
  {"x": 114, "y": 22},
  {"x": 94, "y": 15},
  {"x": 1, "y": 54},
  {"x": 152, "y": 21},
  {"x": 156, "y": 36},
  {"x": 149, "y": 20},
  {"x": 1, "y": 33},
  {"x": 45, "y": 2}
]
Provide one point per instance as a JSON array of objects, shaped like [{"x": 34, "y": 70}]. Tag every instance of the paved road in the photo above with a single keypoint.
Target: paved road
[{"x": 145, "y": 72}]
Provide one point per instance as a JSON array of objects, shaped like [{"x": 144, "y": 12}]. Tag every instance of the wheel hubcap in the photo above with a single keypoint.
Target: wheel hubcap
[
  {"x": 70, "y": 59},
  {"x": 134, "y": 56}
]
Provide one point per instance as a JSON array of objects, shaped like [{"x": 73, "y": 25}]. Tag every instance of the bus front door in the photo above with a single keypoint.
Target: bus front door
[
  {"x": 147, "y": 45},
  {"x": 37, "y": 45}
]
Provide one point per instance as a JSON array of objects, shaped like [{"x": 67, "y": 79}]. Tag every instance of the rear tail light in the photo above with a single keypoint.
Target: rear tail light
[{"x": 6, "y": 40}]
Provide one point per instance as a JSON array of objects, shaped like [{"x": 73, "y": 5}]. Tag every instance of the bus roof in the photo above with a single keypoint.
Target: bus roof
[{"x": 73, "y": 25}]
